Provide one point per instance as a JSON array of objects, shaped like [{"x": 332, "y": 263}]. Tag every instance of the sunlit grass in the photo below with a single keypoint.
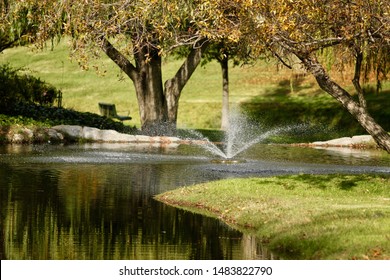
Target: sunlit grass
[{"x": 301, "y": 216}]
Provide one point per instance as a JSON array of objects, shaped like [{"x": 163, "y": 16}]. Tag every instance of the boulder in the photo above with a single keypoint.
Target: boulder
[
  {"x": 73, "y": 132},
  {"x": 109, "y": 136},
  {"x": 363, "y": 140},
  {"x": 355, "y": 141},
  {"x": 54, "y": 135},
  {"x": 344, "y": 141}
]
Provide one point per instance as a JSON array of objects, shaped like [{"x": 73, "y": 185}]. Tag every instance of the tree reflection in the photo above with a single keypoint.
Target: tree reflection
[{"x": 103, "y": 211}]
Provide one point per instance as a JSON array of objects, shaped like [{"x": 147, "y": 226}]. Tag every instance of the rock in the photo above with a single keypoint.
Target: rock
[
  {"x": 73, "y": 132},
  {"x": 143, "y": 138},
  {"x": 17, "y": 138},
  {"x": 24, "y": 135},
  {"x": 355, "y": 141},
  {"x": 115, "y": 136},
  {"x": 54, "y": 135},
  {"x": 345, "y": 141},
  {"x": 363, "y": 140},
  {"x": 92, "y": 134},
  {"x": 97, "y": 135},
  {"x": 28, "y": 133},
  {"x": 165, "y": 139}
]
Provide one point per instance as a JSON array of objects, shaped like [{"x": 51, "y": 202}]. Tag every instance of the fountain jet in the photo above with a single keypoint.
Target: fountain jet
[{"x": 241, "y": 135}]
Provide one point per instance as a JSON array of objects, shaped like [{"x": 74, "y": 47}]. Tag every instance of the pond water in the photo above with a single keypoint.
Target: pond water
[{"x": 95, "y": 201}]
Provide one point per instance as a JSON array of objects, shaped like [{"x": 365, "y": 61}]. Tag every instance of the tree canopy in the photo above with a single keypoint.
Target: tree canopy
[{"x": 351, "y": 27}]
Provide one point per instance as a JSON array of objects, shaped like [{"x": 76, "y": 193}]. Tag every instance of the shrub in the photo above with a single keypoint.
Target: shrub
[
  {"x": 16, "y": 88},
  {"x": 25, "y": 114},
  {"x": 26, "y": 100}
]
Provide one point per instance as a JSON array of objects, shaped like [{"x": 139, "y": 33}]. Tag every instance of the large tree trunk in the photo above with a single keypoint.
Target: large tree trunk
[
  {"x": 158, "y": 106},
  {"x": 359, "y": 112},
  {"x": 150, "y": 94}
]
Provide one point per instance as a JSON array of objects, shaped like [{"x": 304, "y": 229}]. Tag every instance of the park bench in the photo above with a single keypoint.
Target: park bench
[{"x": 108, "y": 110}]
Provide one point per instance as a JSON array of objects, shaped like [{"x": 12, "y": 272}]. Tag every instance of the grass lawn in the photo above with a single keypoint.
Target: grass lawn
[
  {"x": 301, "y": 216},
  {"x": 269, "y": 95}
]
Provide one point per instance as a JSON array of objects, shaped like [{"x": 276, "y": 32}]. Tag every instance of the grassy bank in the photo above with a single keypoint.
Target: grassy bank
[
  {"x": 301, "y": 216},
  {"x": 273, "y": 96}
]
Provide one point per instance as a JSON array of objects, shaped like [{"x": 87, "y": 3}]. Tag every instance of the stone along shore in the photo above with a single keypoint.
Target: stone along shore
[{"x": 75, "y": 133}]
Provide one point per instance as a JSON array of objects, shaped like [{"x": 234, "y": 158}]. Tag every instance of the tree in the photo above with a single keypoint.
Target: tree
[
  {"x": 358, "y": 32},
  {"x": 146, "y": 30},
  {"x": 223, "y": 51},
  {"x": 135, "y": 35},
  {"x": 227, "y": 44}
]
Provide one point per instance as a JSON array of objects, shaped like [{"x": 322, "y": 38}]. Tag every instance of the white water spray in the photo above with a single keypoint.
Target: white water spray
[{"x": 241, "y": 135}]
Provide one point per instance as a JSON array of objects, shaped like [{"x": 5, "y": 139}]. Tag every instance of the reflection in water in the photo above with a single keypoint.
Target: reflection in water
[
  {"x": 87, "y": 212},
  {"x": 62, "y": 210},
  {"x": 96, "y": 202}
]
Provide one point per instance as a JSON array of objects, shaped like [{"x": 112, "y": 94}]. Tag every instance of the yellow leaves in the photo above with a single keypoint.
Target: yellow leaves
[{"x": 234, "y": 36}]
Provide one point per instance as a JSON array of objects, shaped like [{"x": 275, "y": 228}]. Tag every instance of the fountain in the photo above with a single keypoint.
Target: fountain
[{"x": 241, "y": 135}]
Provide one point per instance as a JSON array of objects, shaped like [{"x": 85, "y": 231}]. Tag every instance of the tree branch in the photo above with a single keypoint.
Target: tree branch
[
  {"x": 281, "y": 60},
  {"x": 119, "y": 59},
  {"x": 187, "y": 68}
]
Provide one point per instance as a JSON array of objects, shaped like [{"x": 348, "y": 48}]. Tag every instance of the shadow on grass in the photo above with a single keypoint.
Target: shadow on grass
[
  {"x": 341, "y": 234},
  {"x": 325, "y": 115},
  {"x": 338, "y": 225},
  {"x": 345, "y": 183}
]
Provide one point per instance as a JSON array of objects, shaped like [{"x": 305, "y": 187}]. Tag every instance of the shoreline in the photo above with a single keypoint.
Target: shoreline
[
  {"x": 76, "y": 134},
  {"x": 83, "y": 134},
  {"x": 299, "y": 216}
]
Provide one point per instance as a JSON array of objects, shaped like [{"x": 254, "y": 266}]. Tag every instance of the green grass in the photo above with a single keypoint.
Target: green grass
[
  {"x": 301, "y": 216},
  {"x": 269, "y": 95}
]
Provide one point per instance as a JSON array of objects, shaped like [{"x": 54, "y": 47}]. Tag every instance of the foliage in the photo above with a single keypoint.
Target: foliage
[
  {"x": 135, "y": 35},
  {"x": 131, "y": 25},
  {"x": 9, "y": 121},
  {"x": 25, "y": 99},
  {"x": 32, "y": 114},
  {"x": 17, "y": 87},
  {"x": 23, "y": 22},
  {"x": 301, "y": 27},
  {"x": 142, "y": 31}
]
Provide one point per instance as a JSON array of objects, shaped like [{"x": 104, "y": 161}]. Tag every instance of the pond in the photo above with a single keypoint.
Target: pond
[{"x": 95, "y": 201}]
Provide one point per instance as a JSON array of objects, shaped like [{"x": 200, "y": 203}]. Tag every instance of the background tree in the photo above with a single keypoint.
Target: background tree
[
  {"x": 223, "y": 52},
  {"x": 358, "y": 32},
  {"x": 226, "y": 44}
]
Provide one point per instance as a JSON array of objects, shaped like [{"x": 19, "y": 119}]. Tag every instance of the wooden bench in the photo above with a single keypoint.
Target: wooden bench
[{"x": 108, "y": 110}]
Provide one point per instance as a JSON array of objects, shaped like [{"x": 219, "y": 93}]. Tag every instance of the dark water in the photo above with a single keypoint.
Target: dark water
[{"x": 95, "y": 201}]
